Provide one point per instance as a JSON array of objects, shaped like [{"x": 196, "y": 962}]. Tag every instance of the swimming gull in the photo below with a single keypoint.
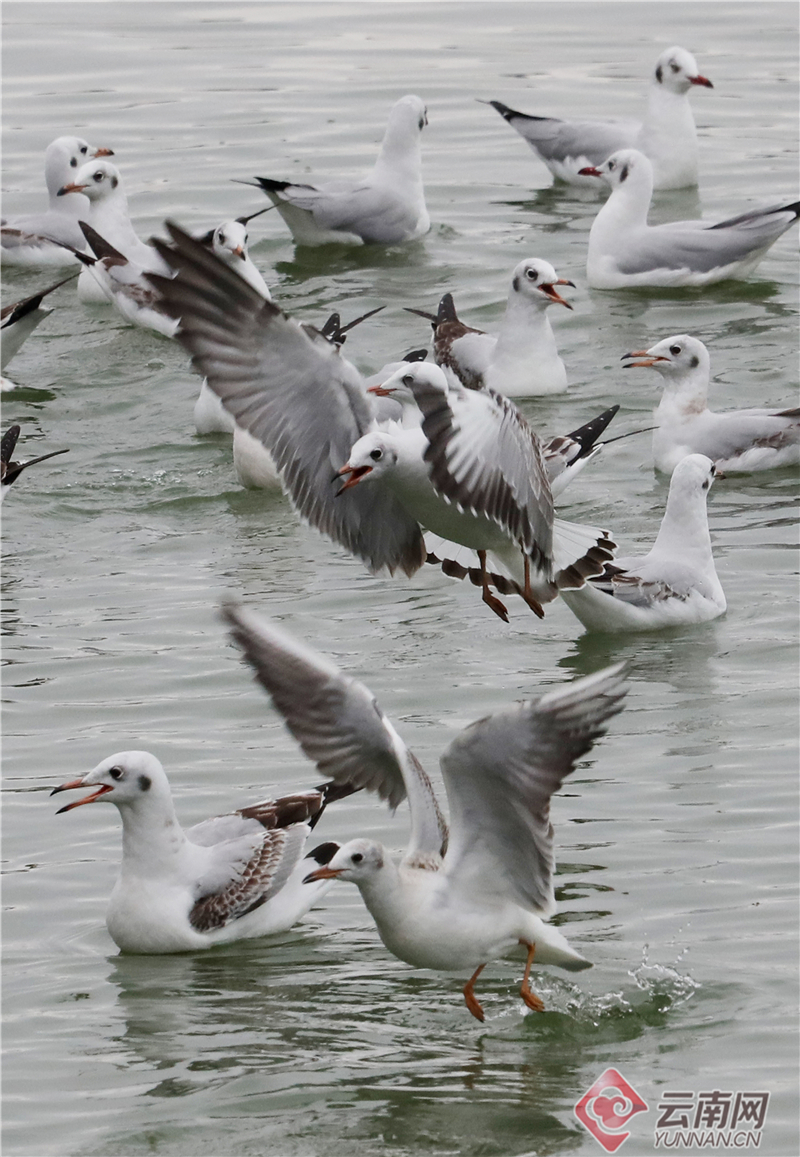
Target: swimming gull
[
  {"x": 737, "y": 442},
  {"x": 384, "y": 207},
  {"x": 667, "y": 135},
  {"x": 522, "y": 359},
  {"x": 676, "y": 582},
  {"x": 625, "y": 251}
]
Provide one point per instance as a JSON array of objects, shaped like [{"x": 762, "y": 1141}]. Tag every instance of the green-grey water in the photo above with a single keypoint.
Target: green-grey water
[{"x": 676, "y": 839}]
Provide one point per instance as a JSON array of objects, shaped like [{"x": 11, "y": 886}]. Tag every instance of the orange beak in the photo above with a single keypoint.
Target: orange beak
[
  {"x": 648, "y": 360},
  {"x": 706, "y": 83},
  {"x": 380, "y": 391},
  {"x": 74, "y": 783},
  {"x": 70, "y": 189},
  {"x": 356, "y": 474},
  {"x": 239, "y": 252},
  {"x": 103, "y": 152},
  {"x": 553, "y": 293},
  {"x": 322, "y": 874}
]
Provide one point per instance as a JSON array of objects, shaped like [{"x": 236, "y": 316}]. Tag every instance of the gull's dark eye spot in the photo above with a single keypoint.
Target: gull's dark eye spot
[
  {"x": 713, "y": 470},
  {"x": 612, "y": 166},
  {"x": 376, "y": 455},
  {"x": 356, "y": 857},
  {"x": 408, "y": 379},
  {"x": 659, "y": 74},
  {"x": 116, "y": 772},
  {"x": 694, "y": 362},
  {"x": 144, "y": 782},
  {"x": 73, "y": 161},
  {"x": 624, "y": 174},
  {"x": 114, "y": 182},
  {"x": 532, "y": 274},
  {"x": 706, "y": 484},
  {"x": 675, "y": 350},
  {"x": 675, "y": 67},
  {"x": 221, "y": 238},
  {"x": 99, "y": 176},
  {"x": 421, "y": 123}
]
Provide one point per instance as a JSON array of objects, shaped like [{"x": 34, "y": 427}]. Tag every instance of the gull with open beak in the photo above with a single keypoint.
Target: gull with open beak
[{"x": 521, "y": 360}]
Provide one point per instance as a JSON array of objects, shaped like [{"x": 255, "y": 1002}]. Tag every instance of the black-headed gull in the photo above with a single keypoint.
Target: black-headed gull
[
  {"x": 737, "y": 442},
  {"x": 486, "y": 888},
  {"x": 625, "y": 251},
  {"x": 676, "y": 582},
  {"x": 20, "y": 318},
  {"x": 384, "y": 207},
  {"x": 39, "y": 238},
  {"x": 231, "y": 877},
  {"x": 667, "y": 135},
  {"x": 521, "y": 360},
  {"x": 309, "y": 407},
  {"x": 10, "y": 471},
  {"x": 101, "y": 182}
]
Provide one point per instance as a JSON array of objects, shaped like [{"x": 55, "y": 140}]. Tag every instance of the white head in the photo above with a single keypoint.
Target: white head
[
  {"x": 693, "y": 475},
  {"x": 534, "y": 279},
  {"x": 372, "y": 456},
  {"x": 676, "y": 71},
  {"x": 400, "y": 384},
  {"x": 675, "y": 358},
  {"x": 125, "y": 779},
  {"x": 96, "y": 179},
  {"x": 407, "y": 119},
  {"x": 626, "y": 169},
  {"x": 229, "y": 242},
  {"x": 359, "y": 862}
]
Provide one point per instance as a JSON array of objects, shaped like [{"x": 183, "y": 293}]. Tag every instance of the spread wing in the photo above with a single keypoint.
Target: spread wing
[
  {"x": 500, "y": 775},
  {"x": 338, "y": 723},
  {"x": 292, "y": 392}
]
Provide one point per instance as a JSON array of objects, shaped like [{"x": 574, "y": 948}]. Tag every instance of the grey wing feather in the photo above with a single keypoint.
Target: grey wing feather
[
  {"x": 484, "y": 457},
  {"x": 338, "y": 723},
  {"x": 294, "y": 394},
  {"x": 500, "y": 775},
  {"x": 559, "y": 140}
]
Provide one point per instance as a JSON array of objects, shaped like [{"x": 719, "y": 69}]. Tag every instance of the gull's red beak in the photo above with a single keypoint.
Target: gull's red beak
[
  {"x": 553, "y": 293},
  {"x": 649, "y": 360},
  {"x": 322, "y": 874},
  {"x": 104, "y": 152},
  {"x": 70, "y": 189},
  {"x": 589, "y": 171},
  {"x": 706, "y": 83},
  {"x": 356, "y": 474},
  {"x": 380, "y": 391},
  {"x": 75, "y": 783}
]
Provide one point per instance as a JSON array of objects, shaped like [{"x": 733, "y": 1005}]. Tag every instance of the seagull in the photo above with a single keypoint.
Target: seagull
[
  {"x": 667, "y": 135},
  {"x": 10, "y": 471},
  {"x": 101, "y": 183},
  {"x": 564, "y": 455},
  {"x": 625, "y": 251},
  {"x": 676, "y": 582},
  {"x": 384, "y": 207},
  {"x": 458, "y": 900},
  {"x": 309, "y": 407},
  {"x": 19, "y": 319},
  {"x": 228, "y": 878},
  {"x": 521, "y": 360},
  {"x": 737, "y": 442},
  {"x": 39, "y": 238}
]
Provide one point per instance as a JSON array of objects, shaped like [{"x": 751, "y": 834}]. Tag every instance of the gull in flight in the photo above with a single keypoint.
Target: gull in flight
[
  {"x": 484, "y": 488},
  {"x": 521, "y": 360},
  {"x": 667, "y": 135},
  {"x": 737, "y": 442},
  {"x": 676, "y": 582},
  {"x": 384, "y": 207},
  {"x": 40, "y": 238},
  {"x": 624, "y": 251}
]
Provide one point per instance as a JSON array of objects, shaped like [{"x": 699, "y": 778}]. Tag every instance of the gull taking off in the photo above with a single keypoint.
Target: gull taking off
[
  {"x": 384, "y": 207},
  {"x": 667, "y": 135},
  {"x": 625, "y": 251},
  {"x": 737, "y": 442},
  {"x": 676, "y": 582}
]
